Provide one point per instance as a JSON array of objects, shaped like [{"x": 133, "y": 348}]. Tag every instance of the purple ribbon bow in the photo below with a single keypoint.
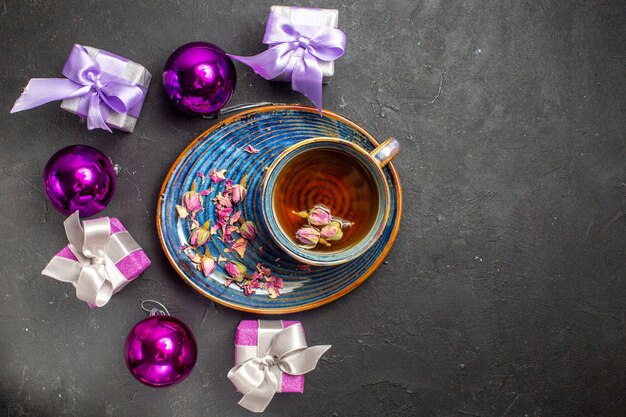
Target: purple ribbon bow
[
  {"x": 84, "y": 79},
  {"x": 326, "y": 44}
]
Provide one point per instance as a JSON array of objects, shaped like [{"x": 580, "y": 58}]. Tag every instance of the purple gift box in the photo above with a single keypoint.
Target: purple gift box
[
  {"x": 303, "y": 44},
  {"x": 113, "y": 68},
  {"x": 308, "y": 20},
  {"x": 253, "y": 338},
  {"x": 106, "y": 89},
  {"x": 106, "y": 250}
]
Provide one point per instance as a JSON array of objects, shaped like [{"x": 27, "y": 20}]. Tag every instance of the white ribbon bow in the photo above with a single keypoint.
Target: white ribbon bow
[
  {"x": 94, "y": 275},
  {"x": 288, "y": 351}
]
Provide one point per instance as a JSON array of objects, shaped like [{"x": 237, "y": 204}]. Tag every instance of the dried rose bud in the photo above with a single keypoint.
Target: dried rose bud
[
  {"x": 308, "y": 237},
  {"x": 239, "y": 193},
  {"x": 235, "y": 270},
  {"x": 192, "y": 200},
  {"x": 182, "y": 211},
  {"x": 331, "y": 232},
  {"x": 207, "y": 265},
  {"x": 248, "y": 230},
  {"x": 200, "y": 235},
  {"x": 319, "y": 216}
]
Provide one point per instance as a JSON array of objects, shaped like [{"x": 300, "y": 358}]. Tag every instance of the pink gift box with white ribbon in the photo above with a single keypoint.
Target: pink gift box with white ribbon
[
  {"x": 271, "y": 356},
  {"x": 252, "y": 340},
  {"x": 100, "y": 260}
]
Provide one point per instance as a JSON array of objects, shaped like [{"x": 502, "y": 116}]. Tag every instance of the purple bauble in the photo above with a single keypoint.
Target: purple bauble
[
  {"x": 160, "y": 351},
  {"x": 79, "y": 178},
  {"x": 199, "y": 78}
]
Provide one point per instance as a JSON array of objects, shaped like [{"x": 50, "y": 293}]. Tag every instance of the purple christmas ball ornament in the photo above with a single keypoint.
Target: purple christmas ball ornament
[
  {"x": 79, "y": 178},
  {"x": 160, "y": 351},
  {"x": 199, "y": 78}
]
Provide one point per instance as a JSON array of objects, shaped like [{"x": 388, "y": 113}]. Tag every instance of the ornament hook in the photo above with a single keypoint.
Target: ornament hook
[
  {"x": 159, "y": 310},
  {"x": 236, "y": 108}
]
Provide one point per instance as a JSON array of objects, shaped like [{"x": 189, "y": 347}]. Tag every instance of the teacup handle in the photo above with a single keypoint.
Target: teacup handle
[{"x": 386, "y": 151}]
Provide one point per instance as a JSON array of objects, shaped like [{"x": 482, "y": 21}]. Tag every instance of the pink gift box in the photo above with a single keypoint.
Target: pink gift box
[
  {"x": 123, "y": 254},
  {"x": 131, "y": 266},
  {"x": 252, "y": 339}
]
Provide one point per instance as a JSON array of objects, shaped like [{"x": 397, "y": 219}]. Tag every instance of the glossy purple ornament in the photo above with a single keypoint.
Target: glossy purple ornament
[
  {"x": 199, "y": 78},
  {"x": 160, "y": 351},
  {"x": 79, "y": 178}
]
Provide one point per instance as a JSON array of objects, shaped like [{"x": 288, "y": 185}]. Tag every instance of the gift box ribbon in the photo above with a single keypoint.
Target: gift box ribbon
[
  {"x": 287, "y": 352},
  {"x": 86, "y": 79},
  {"x": 94, "y": 274},
  {"x": 286, "y": 39}
]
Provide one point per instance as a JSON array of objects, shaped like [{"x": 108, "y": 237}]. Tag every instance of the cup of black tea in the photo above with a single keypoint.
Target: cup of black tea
[{"x": 325, "y": 201}]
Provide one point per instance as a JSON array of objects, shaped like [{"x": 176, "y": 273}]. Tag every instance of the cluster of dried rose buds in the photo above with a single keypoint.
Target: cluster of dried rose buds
[
  {"x": 323, "y": 228},
  {"x": 228, "y": 222},
  {"x": 262, "y": 278},
  {"x": 227, "y": 218}
]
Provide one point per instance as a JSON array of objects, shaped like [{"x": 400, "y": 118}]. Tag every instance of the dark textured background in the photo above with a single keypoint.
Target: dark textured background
[{"x": 505, "y": 292}]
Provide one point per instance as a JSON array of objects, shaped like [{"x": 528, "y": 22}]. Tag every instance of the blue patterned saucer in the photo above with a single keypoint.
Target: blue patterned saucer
[{"x": 270, "y": 129}]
